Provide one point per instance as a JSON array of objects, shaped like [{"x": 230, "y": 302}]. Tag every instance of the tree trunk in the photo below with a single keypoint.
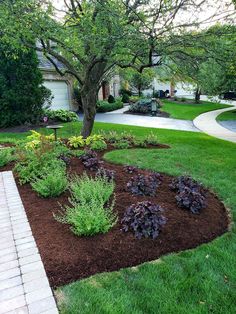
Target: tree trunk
[
  {"x": 89, "y": 100},
  {"x": 139, "y": 92},
  {"x": 197, "y": 95},
  {"x": 89, "y": 96}
]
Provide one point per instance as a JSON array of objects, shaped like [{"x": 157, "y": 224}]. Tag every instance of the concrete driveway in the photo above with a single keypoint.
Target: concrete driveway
[{"x": 118, "y": 117}]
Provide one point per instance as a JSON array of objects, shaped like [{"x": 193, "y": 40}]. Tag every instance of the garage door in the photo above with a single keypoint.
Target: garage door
[{"x": 60, "y": 94}]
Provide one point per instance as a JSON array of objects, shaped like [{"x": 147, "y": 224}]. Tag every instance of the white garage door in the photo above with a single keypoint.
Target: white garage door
[{"x": 60, "y": 94}]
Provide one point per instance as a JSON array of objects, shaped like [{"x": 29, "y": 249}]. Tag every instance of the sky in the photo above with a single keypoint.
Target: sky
[{"x": 202, "y": 14}]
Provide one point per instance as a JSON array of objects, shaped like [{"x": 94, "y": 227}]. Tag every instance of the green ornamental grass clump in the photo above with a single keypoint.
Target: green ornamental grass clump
[
  {"x": 6, "y": 156},
  {"x": 89, "y": 212},
  {"x": 52, "y": 184},
  {"x": 151, "y": 139},
  {"x": 122, "y": 144}
]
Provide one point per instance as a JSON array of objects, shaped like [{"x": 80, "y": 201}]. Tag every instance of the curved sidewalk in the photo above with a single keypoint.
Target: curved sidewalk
[{"x": 206, "y": 122}]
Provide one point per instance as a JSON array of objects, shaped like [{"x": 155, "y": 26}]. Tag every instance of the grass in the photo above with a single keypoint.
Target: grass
[
  {"x": 189, "y": 111},
  {"x": 198, "y": 281},
  {"x": 229, "y": 115}
]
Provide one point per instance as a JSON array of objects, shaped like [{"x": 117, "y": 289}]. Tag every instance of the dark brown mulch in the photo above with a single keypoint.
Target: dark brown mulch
[
  {"x": 26, "y": 128},
  {"x": 68, "y": 258},
  {"x": 161, "y": 114}
]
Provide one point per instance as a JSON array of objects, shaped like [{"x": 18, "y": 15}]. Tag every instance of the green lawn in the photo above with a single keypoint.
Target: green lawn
[
  {"x": 229, "y": 115},
  {"x": 202, "y": 280},
  {"x": 188, "y": 111}
]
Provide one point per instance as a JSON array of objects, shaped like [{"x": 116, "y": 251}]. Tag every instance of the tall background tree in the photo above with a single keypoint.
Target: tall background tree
[
  {"x": 91, "y": 37},
  {"x": 209, "y": 64},
  {"x": 138, "y": 82},
  {"x": 21, "y": 92}
]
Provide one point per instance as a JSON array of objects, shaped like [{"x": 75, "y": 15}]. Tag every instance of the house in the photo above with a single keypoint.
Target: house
[
  {"x": 179, "y": 89},
  {"x": 62, "y": 86},
  {"x": 110, "y": 87}
]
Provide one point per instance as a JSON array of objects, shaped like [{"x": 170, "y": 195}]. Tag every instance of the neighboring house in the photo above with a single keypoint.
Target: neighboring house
[
  {"x": 182, "y": 89},
  {"x": 110, "y": 87},
  {"x": 62, "y": 86}
]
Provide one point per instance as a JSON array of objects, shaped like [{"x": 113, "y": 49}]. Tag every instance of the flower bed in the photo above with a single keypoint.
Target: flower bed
[{"x": 68, "y": 257}]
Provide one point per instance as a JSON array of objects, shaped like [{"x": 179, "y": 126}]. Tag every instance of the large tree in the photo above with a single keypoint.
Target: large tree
[
  {"x": 211, "y": 65},
  {"x": 90, "y": 37},
  {"x": 137, "y": 81}
]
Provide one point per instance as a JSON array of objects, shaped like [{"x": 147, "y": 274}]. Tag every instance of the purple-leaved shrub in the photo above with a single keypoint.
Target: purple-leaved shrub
[{"x": 145, "y": 219}]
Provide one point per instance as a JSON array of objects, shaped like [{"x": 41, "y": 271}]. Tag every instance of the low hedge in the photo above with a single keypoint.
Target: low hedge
[
  {"x": 105, "y": 106},
  {"x": 60, "y": 115}
]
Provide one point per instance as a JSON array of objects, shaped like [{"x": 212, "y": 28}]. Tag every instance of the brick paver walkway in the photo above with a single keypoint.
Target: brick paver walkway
[{"x": 24, "y": 287}]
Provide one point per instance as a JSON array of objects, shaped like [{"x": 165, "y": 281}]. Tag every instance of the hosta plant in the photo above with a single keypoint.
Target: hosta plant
[
  {"x": 144, "y": 219},
  {"x": 93, "y": 139},
  {"x": 191, "y": 199},
  {"x": 60, "y": 115},
  {"x": 107, "y": 174},
  {"x": 76, "y": 141},
  {"x": 144, "y": 184}
]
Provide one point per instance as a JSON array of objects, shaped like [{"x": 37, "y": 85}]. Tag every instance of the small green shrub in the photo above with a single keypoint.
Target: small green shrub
[
  {"x": 89, "y": 213},
  {"x": 137, "y": 108},
  {"x": 140, "y": 143},
  {"x": 77, "y": 153},
  {"x": 60, "y": 115},
  {"x": 52, "y": 184},
  {"x": 33, "y": 164},
  {"x": 6, "y": 156},
  {"x": 86, "y": 188},
  {"x": 111, "y": 99},
  {"x": 105, "y": 106},
  {"x": 134, "y": 99},
  {"x": 151, "y": 139},
  {"x": 98, "y": 145},
  {"x": 113, "y": 137},
  {"x": 124, "y": 91},
  {"x": 122, "y": 144},
  {"x": 125, "y": 98},
  {"x": 182, "y": 99}
]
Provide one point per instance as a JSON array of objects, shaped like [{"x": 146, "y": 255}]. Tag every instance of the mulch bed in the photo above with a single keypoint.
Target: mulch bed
[
  {"x": 26, "y": 127},
  {"x": 67, "y": 257}
]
